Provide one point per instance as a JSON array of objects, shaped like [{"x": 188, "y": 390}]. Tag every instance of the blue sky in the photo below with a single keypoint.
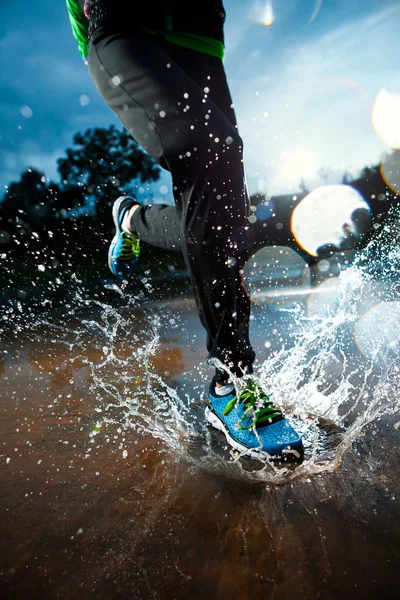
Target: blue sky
[{"x": 303, "y": 87}]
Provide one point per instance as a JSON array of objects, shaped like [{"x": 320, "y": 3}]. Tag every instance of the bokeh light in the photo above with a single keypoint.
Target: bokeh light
[
  {"x": 272, "y": 268},
  {"x": 299, "y": 163},
  {"x": 378, "y": 330},
  {"x": 266, "y": 12},
  {"x": 324, "y": 298},
  {"x": 385, "y": 118},
  {"x": 325, "y": 216},
  {"x": 262, "y": 13},
  {"x": 264, "y": 210},
  {"x": 26, "y": 112},
  {"x": 390, "y": 169},
  {"x": 5, "y": 237},
  {"x": 84, "y": 100}
]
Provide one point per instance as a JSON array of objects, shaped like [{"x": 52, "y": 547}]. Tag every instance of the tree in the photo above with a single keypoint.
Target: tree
[
  {"x": 370, "y": 183},
  {"x": 324, "y": 173},
  {"x": 104, "y": 162},
  {"x": 35, "y": 200},
  {"x": 65, "y": 198},
  {"x": 26, "y": 199},
  {"x": 303, "y": 186},
  {"x": 347, "y": 179}
]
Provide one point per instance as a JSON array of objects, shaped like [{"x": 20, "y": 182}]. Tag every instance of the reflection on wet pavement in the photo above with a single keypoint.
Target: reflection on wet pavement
[{"x": 113, "y": 487}]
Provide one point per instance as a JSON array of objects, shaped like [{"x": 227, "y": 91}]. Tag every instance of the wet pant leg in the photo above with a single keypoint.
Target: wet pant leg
[{"x": 176, "y": 104}]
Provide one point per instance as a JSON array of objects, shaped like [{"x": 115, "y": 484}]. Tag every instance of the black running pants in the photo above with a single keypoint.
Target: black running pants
[{"x": 176, "y": 104}]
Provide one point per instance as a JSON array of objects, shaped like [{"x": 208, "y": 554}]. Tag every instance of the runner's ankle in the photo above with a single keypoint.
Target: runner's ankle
[{"x": 127, "y": 220}]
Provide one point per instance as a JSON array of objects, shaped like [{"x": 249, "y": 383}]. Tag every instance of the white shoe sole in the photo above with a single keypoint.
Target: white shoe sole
[
  {"x": 111, "y": 248},
  {"x": 216, "y": 422}
]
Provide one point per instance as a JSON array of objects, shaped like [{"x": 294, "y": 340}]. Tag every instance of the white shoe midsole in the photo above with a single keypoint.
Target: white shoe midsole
[{"x": 218, "y": 424}]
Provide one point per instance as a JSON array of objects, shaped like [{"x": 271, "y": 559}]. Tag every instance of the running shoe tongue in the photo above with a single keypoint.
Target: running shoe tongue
[{"x": 258, "y": 408}]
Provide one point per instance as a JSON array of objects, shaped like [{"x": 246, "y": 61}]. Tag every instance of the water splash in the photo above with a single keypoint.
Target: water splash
[{"x": 329, "y": 387}]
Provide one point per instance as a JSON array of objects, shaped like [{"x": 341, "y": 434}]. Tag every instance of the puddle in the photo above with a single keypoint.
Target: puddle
[{"x": 113, "y": 485}]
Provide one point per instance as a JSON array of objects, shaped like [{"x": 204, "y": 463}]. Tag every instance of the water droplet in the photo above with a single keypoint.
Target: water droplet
[
  {"x": 323, "y": 266},
  {"x": 84, "y": 100},
  {"x": 26, "y": 112}
]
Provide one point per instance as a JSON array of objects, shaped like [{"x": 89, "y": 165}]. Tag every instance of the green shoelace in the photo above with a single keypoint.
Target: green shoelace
[
  {"x": 130, "y": 246},
  {"x": 257, "y": 407}
]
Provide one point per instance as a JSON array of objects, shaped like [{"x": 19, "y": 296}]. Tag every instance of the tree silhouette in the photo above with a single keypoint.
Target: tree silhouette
[
  {"x": 303, "y": 186},
  {"x": 324, "y": 172},
  {"x": 104, "y": 162},
  {"x": 372, "y": 187},
  {"x": 27, "y": 196},
  {"x": 27, "y": 204},
  {"x": 64, "y": 199},
  {"x": 347, "y": 178},
  {"x": 33, "y": 200}
]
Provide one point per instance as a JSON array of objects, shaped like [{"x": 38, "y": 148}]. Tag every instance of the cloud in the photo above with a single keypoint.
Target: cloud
[
  {"x": 316, "y": 86},
  {"x": 31, "y": 155},
  {"x": 317, "y": 96}
]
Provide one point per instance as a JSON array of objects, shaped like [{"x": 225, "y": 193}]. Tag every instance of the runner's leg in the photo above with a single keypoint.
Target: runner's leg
[{"x": 176, "y": 120}]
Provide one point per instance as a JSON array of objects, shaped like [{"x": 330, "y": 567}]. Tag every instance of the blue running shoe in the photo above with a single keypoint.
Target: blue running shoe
[
  {"x": 125, "y": 247},
  {"x": 253, "y": 425}
]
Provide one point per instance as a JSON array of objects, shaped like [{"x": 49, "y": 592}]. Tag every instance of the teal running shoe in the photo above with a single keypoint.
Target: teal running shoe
[
  {"x": 125, "y": 247},
  {"x": 253, "y": 425}
]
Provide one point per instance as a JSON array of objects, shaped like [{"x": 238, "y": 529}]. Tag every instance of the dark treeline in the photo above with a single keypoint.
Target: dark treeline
[
  {"x": 69, "y": 222},
  {"x": 65, "y": 226},
  {"x": 366, "y": 224},
  {"x": 54, "y": 236}
]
